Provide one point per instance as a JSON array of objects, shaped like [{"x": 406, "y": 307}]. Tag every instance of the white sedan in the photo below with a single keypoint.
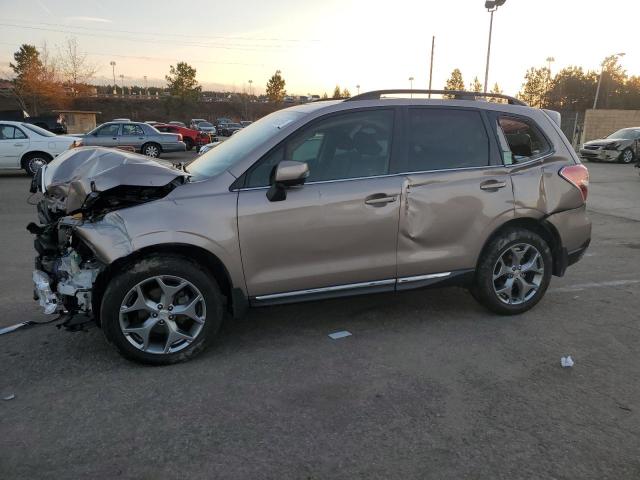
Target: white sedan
[{"x": 27, "y": 146}]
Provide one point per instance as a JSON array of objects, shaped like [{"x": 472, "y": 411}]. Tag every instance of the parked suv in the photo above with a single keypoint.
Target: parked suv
[{"x": 319, "y": 200}]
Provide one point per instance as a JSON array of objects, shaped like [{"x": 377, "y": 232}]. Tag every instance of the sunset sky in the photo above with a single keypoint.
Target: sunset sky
[{"x": 318, "y": 44}]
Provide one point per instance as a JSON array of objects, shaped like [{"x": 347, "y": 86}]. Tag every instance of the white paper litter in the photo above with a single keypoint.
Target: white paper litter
[
  {"x": 566, "y": 362},
  {"x": 340, "y": 334},
  {"x": 11, "y": 396}
]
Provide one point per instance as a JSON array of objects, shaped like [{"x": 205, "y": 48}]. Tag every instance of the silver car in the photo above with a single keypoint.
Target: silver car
[{"x": 136, "y": 136}]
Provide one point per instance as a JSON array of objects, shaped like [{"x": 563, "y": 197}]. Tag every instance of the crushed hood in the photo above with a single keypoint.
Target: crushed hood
[{"x": 78, "y": 174}]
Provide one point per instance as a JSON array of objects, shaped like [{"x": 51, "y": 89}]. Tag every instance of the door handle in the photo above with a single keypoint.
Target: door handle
[
  {"x": 18, "y": 144},
  {"x": 492, "y": 185},
  {"x": 380, "y": 199}
]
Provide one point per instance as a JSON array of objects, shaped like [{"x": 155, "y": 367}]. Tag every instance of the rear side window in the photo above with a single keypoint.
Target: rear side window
[
  {"x": 520, "y": 140},
  {"x": 8, "y": 132},
  {"x": 440, "y": 139}
]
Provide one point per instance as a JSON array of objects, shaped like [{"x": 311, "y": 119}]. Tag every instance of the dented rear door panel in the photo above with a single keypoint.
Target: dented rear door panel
[{"x": 446, "y": 217}]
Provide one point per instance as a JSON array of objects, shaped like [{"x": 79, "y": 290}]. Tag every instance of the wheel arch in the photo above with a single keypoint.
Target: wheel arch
[
  {"x": 540, "y": 226},
  {"x": 31, "y": 153},
  {"x": 235, "y": 299}
]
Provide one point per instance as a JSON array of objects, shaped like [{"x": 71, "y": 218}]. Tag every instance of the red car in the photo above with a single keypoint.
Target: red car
[{"x": 191, "y": 138}]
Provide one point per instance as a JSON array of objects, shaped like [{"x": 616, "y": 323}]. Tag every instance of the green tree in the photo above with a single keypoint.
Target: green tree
[
  {"x": 182, "y": 83},
  {"x": 496, "y": 90},
  {"x": 454, "y": 82},
  {"x": 35, "y": 83},
  {"x": 572, "y": 89},
  {"x": 535, "y": 87},
  {"x": 612, "y": 86},
  {"x": 345, "y": 93},
  {"x": 325, "y": 96},
  {"x": 275, "y": 87},
  {"x": 336, "y": 92},
  {"x": 475, "y": 86}
]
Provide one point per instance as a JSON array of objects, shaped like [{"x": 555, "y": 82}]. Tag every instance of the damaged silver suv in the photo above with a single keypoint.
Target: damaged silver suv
[{"x": 372, "y": 194}]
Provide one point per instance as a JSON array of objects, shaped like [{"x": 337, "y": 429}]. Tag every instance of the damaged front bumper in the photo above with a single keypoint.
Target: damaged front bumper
[{"x": 63, "y": 284}]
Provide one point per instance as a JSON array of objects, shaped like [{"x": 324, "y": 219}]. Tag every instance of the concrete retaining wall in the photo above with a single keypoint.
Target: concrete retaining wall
[{"x": 600, "y": 123}]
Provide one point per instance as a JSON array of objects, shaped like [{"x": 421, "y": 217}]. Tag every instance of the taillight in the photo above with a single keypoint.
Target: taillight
[
  {"x": 180, "y": 137},
  {"x": 578, "y": 175}
]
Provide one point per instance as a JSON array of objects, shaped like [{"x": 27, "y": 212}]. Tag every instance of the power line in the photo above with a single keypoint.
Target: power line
[
  {"x": 167, "y": 34},
  {"x": 138, "y": 40}
]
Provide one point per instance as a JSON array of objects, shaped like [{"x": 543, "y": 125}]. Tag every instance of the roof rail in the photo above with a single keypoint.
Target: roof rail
[{"x": 457, "y": 95}]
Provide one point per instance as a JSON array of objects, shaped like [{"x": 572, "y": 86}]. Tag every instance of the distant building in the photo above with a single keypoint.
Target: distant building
[{"x": 79, "y": 121}]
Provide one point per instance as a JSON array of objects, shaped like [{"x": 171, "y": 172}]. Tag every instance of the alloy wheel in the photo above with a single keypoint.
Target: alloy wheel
[
  {"x": 518, "y": 274},
  {"x": 151, "y": 151},
  {"x": 35, "y": 164},
  {"x": 162, "y": 314},
  {"x": 627, "y": 156}
]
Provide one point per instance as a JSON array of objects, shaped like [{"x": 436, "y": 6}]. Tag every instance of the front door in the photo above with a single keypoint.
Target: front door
[
  {"x": 458, "y": 191},
  {"x": 339, "y": 230},
  {"x": 105, "y": 136},
  {"x": 13, "y": 144}
]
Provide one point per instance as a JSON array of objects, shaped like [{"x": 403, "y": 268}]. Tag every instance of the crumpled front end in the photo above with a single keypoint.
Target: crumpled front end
[{"x": 81, "y": 194}]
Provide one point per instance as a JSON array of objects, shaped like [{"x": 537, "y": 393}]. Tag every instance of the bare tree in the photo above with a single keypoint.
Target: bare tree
[{"x": 76, "y": 69}]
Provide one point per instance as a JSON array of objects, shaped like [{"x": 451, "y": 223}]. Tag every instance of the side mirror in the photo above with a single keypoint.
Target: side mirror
[{"x": 284, "y": 175}]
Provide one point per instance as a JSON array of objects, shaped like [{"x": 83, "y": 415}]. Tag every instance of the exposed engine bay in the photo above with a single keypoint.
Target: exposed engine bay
[{"x": 78, "y": 189}]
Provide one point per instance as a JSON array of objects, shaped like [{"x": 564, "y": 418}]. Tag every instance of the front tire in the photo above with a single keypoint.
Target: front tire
[
  {"x": 514, "y": 272},
  {"x": 626, "y": 156},
  {"x": 152, "y": 150},
  {"x": 162, "y": 310}
]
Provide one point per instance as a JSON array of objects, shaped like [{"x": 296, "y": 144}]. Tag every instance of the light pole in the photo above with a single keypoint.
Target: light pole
[
  {"x": 433, "y": 44},
  {"x": 113, "y": 68},
  {"x": 411, "y": 85},
  {"x": 358, "y": 87},
  {"x": 491, "y": 6},
  {"x": 122, "y": 83},
  {"x": 549, "y": 60},
  {"x": 250, "y": 89},
  {"x": 595, "y": 100},
  {"x": 146, "y": 89}
]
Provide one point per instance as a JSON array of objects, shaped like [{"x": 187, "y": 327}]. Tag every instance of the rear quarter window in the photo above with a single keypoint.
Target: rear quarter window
[{"x": 520, "y": 140}]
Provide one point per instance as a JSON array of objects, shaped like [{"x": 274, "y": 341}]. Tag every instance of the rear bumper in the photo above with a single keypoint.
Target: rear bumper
[
  {"x": 574, "y": 229},
  {"x": 174, "y": 147}
]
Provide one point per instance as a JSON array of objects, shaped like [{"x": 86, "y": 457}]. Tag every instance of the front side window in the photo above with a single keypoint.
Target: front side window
[
  {"x": 524, "y": 141},
  {"x": 109, "y": 130},
  {"x": 350, "y": 145},
  {"x": 131, "y": 130},
  {"x": 441, "y": 139}
]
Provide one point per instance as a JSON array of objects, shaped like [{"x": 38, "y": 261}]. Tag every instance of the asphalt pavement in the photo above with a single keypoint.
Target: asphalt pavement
[{"x": 429, "y": 385}]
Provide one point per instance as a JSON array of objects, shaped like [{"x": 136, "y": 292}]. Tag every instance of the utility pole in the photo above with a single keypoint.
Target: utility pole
[
  {"x": 433, "y": 43},
  {"x": 491, "y": 6},
  {"x": 113, "y": 67}
]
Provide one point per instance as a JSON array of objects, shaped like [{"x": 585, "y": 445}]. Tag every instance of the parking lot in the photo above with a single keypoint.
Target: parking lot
[{"x": 430, "y": 385}]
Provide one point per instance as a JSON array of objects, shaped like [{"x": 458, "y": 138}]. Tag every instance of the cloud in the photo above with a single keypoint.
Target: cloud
[{"x": 89, "y": 19}]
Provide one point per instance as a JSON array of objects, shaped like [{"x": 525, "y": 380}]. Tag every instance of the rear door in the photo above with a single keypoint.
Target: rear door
[
  {"x": 131, "y": 135},
  {"x": 338, "y": 231},
  {"x": 13, "y": 144},
  {"x": 456, "y": 191}
]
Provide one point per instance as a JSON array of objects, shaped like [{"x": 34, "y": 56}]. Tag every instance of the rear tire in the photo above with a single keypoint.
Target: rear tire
[
  {"x": 32, "y": 162},
  {"x": 143, "y": 329},
  {"x": 152, "y": 150},
  {"x": 514, "y": 272}
]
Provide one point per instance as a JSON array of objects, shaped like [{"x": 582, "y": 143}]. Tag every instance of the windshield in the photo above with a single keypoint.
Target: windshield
[
  {"x": 40, "y": 131},
  {"x": 205, "y": 125},
  {"x": 231, "y": 151},
  {"x": 624, "y": 133}
]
